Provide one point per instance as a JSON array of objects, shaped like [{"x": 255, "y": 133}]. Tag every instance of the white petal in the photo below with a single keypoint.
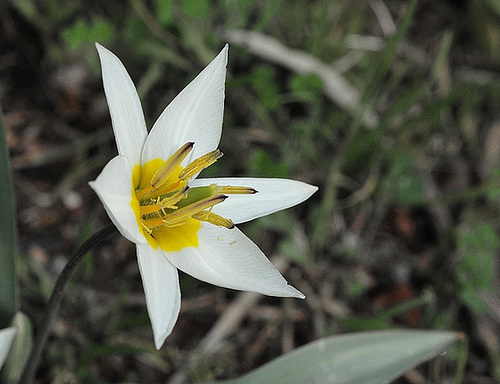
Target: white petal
[
  {"x": 161, "y": 286},
  {"x": 227, "y": 258},
  {"x": 273, "y": 195},
  {"x": 194, "y": 115},
  {"x": 114, "y": 188},
  {"x": 124, "y": 106},
  {"x": 6, "y": 338}
]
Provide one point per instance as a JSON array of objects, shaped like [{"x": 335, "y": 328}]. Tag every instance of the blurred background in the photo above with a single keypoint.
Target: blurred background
[{"x": 390, "y": 107}]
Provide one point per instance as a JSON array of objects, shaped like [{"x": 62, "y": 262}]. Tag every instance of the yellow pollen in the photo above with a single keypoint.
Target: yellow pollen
[
  {"x": 214, "y": 219},
  {"x": 162, "y": 175},
  {"x": 199, "y": 164},
  {"x": 232, "y": 190}
]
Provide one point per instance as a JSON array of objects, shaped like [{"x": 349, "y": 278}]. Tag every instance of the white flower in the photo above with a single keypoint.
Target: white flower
[
  {"x": 151, "y": 194},
  {"x": 6, "y": 338}
]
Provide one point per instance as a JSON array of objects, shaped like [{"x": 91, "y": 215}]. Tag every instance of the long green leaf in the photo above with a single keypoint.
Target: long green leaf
[
  {"x": 358, "y": 358},
  {"x": 8, "y": 283}
]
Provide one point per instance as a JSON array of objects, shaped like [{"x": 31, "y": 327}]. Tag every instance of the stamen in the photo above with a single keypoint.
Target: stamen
[
  {"x": 147, "y": 209},
  {"x": 191, "y": 209},
  {"x": 165, "y": 171},
  {"x": 199, "y": 164},
  {"x": 158, "y": 206},
  {"x": 163, "y": 190},
  {"x": 232, "y": 190},
  {"x": 149, "y": 231},
  {"x": 169, "y": 202},
  {"x": 184, "y": 213},
  {"x": 214, "y": 219}
]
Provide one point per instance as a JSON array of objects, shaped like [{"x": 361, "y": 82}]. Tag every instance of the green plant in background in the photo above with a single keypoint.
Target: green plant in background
[
  {"x": 403, "y": 181},
  {"x": 477, "y": 256},
  {"x": 306, "y": 87},
  {"x": 83, "y": 31},
  {"x": 484, "y": 16}
]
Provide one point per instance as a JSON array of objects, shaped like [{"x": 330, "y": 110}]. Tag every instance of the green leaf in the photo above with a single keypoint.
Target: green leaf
[
  {"x": 8, "y": 236},
  {"x": 358, "y": 358}
]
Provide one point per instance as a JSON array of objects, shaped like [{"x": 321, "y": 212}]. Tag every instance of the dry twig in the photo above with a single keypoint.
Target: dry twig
[{"x": 336, "y": 87}]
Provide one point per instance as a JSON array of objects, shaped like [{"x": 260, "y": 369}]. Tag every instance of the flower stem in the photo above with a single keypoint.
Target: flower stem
[{"x": 55, "y": 299}]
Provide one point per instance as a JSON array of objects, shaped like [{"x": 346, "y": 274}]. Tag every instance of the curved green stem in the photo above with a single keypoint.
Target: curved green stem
[{"x": 55, "y": 300}]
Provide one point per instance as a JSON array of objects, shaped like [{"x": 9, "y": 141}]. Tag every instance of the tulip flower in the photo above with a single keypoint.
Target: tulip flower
[{"x": 178, "y": 221}]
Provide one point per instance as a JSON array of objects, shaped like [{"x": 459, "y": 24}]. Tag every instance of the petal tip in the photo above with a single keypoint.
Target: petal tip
[
  {"x": 101, "y": 49},
  {"x": 295, "y": 293},
  {"x": 313, "y": 188},
  {"x": 160, "y": 340}
]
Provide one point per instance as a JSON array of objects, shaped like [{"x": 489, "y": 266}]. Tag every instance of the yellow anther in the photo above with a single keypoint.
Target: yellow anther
[
  {"x": 180, "y": 215},
  {"x": 196, "y": 207},
  {"x": 162, "y": 175},
  {"x": 214, "y": 219},
  {"x": 199, "y": 164},
  {"x": 232, "y": 190}
]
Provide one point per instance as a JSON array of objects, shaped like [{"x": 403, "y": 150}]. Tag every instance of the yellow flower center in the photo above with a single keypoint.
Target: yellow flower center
[{"x": 168, "y": 211}]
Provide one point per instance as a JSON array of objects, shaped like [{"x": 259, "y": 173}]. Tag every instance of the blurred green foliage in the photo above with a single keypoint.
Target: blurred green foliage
[
  {"x": 82, "y": 31},
  {"x": 403, "y": 180},
  {"x": 196, "y": 8},
  {"x": 478, "y": 251}
]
